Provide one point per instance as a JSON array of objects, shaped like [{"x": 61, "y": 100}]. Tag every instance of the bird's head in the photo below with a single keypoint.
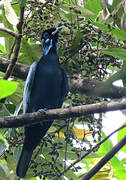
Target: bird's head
[{"x": 50, "y": 40}]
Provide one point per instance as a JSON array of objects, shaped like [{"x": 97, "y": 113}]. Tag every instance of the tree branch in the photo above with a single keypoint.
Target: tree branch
[
  {"x": 20, "y": 70},
  {"x": 105, "y": 159},
  {"x": 114, "y": 11},
  {"x": 77, "y": 83},
  {"x": 91, "y": 150},
  {"x": 77, "y": 111},
  {"x": 8, "y": 31},
  {"x": 10, "y": 67}
]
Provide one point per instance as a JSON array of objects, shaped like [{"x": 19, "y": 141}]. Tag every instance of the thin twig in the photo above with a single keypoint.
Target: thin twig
[
  {"x": 12, "y": 48},
  {"x": 105, "y": 159},
  {"x": 91, "y": 150},
  {"x": 17, "y": 45},
  {"x": 114, "y": 11},
  {"x": 8, "y": 31},
  {"x": 44, "y": 5}
]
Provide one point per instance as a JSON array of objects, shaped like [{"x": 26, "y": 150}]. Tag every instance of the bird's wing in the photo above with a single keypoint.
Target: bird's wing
[
  {"x": 65, "y": 86},
  {"x": 18, "y": 107},
  {"x": 28, "y": 86}
]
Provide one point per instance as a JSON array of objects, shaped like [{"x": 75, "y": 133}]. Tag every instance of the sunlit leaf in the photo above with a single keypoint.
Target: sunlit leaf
[
  {"x": 4, "y": 140},
  {"x": 76, "y": 41},
  {"x": 116, "y": 52},
  {"x": 7, "y": 88},
  {"x": 106, "y": 172},
  {"x": 93, "y": 5},
  {"x": 8, "y": 39},
  {"x": 4, "y": 171},
  {"x": 10, "y": 161},
  {"x": 78, "y": 9},
  {"x": 17, "y": 152},
  {"x": 2, "y": 48},
  {"x": 101, "y": 26},
  {"x": 121, "y": 134},
  {"x": 3, "y": 147},
  {"x": 9, "y": 13}
]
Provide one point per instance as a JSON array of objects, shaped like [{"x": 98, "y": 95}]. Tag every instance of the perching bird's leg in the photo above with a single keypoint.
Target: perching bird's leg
[{"x": 43, "y": 110}]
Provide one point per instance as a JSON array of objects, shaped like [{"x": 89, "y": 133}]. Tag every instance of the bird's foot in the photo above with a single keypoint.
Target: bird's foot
[
  {"x": 68, "y": 106},
  {"x": 43, "y": 110}
]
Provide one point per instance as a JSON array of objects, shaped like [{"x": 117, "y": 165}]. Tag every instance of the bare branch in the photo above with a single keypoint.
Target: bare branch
[
  {"x": 91, "y": 150},
  {"x": 105, "y": 159},
  {"x": 12, "y": 33},
  {"x": 20, "y": 70},
  {"x": 77, "y": 83},
  {"x": 114, "y": 11},
  {"x": 17, "y": 45},
  {"x": 77, "y": 111}
]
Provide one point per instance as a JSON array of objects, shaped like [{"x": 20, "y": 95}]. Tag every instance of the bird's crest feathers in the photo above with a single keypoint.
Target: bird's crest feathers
[{"x": 50, "y": 39}]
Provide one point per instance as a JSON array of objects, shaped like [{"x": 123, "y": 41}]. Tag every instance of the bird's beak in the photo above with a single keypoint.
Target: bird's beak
[{"x": 56, "y": 31}]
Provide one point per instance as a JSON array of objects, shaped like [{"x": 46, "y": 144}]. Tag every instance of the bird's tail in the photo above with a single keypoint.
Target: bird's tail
[{"x": 23, "y": 162}]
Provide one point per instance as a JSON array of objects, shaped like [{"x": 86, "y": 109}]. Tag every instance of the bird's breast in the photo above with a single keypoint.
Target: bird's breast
[{"x": 46, "y": 92}]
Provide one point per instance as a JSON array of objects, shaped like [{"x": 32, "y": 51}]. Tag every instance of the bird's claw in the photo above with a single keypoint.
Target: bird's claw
[
  {"x": 68, "y": 106},
  {"x": 43, "y": 110}
]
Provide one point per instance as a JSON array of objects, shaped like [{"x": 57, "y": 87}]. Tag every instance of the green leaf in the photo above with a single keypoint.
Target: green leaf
[
  {"x": 119, "y": 34},
  {"x": 93, "y": 5},
  {"x": 7, "y": 88},
  {"x": 6, "y": 112},
  {"x": 102, "y": 26},
  {"x": 9, "y": 13},
  {"x": 63, "y": 15},
  {"x": 10, "y": 161},
  {"x": 4, "y": 140},
  {"x": 16, "y": 8},
  {"x": 120, "y": 174},
  {"x": 105, "y": 147},
  {"x": 4, "y": 171},
  {"x": 8, "y": 39},
  {"x": 84, "y": 12},
  {"x": 2, "y": 49},
  {"x": 3, "y": 147},
  {"x": 76, "y": 41},
  {"x": 71, "y": 174},
  {"x": 30, "y": 52},
  {"x": 121, "y": 134},
  {"x": 81, "y": 10},
  {"x": 22, "y": 3},
  {"x": 116, "y": 163},
  {"x": 16, "y": 97},
  {"x": 1, "y": 18},
  {"x": 17, "y": 152},
  {"x": 116, "y": 52}
]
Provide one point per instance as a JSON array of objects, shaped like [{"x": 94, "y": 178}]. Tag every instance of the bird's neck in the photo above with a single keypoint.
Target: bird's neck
[
  {"x": 51, "y": 57},
  {"x": 51, "y": 48}
]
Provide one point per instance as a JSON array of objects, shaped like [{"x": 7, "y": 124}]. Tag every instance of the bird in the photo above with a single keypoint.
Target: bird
[{"x": 45, "y": 88}]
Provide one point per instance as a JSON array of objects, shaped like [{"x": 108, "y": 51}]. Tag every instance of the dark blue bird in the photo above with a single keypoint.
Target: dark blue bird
[{"x": 45, "y": 88}]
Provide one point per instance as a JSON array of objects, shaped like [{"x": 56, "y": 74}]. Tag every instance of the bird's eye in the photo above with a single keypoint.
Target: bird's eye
[{"x": 45, "y": 35}]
